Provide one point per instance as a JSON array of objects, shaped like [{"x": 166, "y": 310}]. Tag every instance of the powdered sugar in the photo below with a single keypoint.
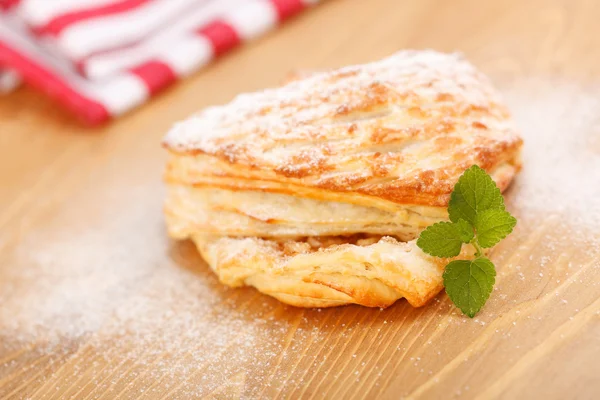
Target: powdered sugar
[
  {"x": 141, "y": 299},
  {"x": 561, "y": 154}
]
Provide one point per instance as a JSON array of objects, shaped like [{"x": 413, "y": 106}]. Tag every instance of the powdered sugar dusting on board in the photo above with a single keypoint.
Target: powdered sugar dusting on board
[
  {"x": 561, "y": 157},
  {"x": 152, "y": 303}
]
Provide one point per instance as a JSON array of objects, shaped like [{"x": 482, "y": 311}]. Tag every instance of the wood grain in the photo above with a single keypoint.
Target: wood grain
[{"x": 96, "y": 302}]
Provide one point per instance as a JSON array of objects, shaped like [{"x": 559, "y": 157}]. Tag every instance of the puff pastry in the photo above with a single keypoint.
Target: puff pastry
[{"x": 313, "y": 192}]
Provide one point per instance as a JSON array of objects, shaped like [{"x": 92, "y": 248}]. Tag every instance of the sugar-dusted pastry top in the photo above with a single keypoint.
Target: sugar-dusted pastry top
[{"x": 400, "y": 130}]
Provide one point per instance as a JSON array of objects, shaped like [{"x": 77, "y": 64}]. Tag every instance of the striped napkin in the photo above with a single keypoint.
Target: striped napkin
[{"x": 101, "y": 58}]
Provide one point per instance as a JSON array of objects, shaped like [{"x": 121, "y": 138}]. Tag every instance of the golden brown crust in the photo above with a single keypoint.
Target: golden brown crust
[{"x": 402, "y": 129}]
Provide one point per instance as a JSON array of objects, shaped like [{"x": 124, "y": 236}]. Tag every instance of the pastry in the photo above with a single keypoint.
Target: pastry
[{"x": 313, "y": 192}]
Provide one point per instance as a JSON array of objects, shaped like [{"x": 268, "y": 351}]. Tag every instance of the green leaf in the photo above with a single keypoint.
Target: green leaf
[
  {"x": 465, "y": 230},
  {"x": 492, "y": 226},
  {"x": 474, "y": 192},
  {"x": 443, "y": 239},
  {"x": 477, "y": 216},
  {"x": 469, "y": 283}
]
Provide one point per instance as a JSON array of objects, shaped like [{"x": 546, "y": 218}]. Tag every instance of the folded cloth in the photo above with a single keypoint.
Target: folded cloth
[{"x": 101, "y": 58}]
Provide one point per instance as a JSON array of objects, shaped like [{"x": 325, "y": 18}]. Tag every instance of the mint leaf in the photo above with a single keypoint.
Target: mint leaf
[
  {"x": 474, "y": 192},
  {"x": 469, "y": 283},
  {"x": 478, "y": 217},
  {"x": 465, "y": 230},
  {"x": 443, "y": 239},
  {"x": 492, "y": 226}
]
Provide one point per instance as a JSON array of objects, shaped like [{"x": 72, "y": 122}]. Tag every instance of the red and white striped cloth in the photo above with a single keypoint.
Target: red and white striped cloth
[{"x": 101, "y": 58}]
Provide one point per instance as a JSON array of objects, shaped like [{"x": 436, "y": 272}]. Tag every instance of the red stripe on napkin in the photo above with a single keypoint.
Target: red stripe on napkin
[
  {"x": 8, "y": 4},
  {"x": 155, "y": 74},
  {"x": 222, "y": 36},
  {"x": 287, "y": 8}
]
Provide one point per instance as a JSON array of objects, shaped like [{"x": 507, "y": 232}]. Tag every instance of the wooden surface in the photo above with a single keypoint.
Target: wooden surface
[{"x": 96, "y": 301}]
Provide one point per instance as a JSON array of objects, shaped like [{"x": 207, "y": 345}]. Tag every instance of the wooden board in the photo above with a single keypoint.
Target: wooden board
[{"x": 96, "y": 301}]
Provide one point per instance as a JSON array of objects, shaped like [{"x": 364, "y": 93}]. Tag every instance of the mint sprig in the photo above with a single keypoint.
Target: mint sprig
[
  {"x": 469, "y": 283},
  {"x": 478, "y": 217}
]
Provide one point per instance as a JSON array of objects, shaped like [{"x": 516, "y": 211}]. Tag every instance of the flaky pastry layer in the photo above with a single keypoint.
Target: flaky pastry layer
[
  {"x": 212, "y": 211},
  {"x": 368, "y": 270}
]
